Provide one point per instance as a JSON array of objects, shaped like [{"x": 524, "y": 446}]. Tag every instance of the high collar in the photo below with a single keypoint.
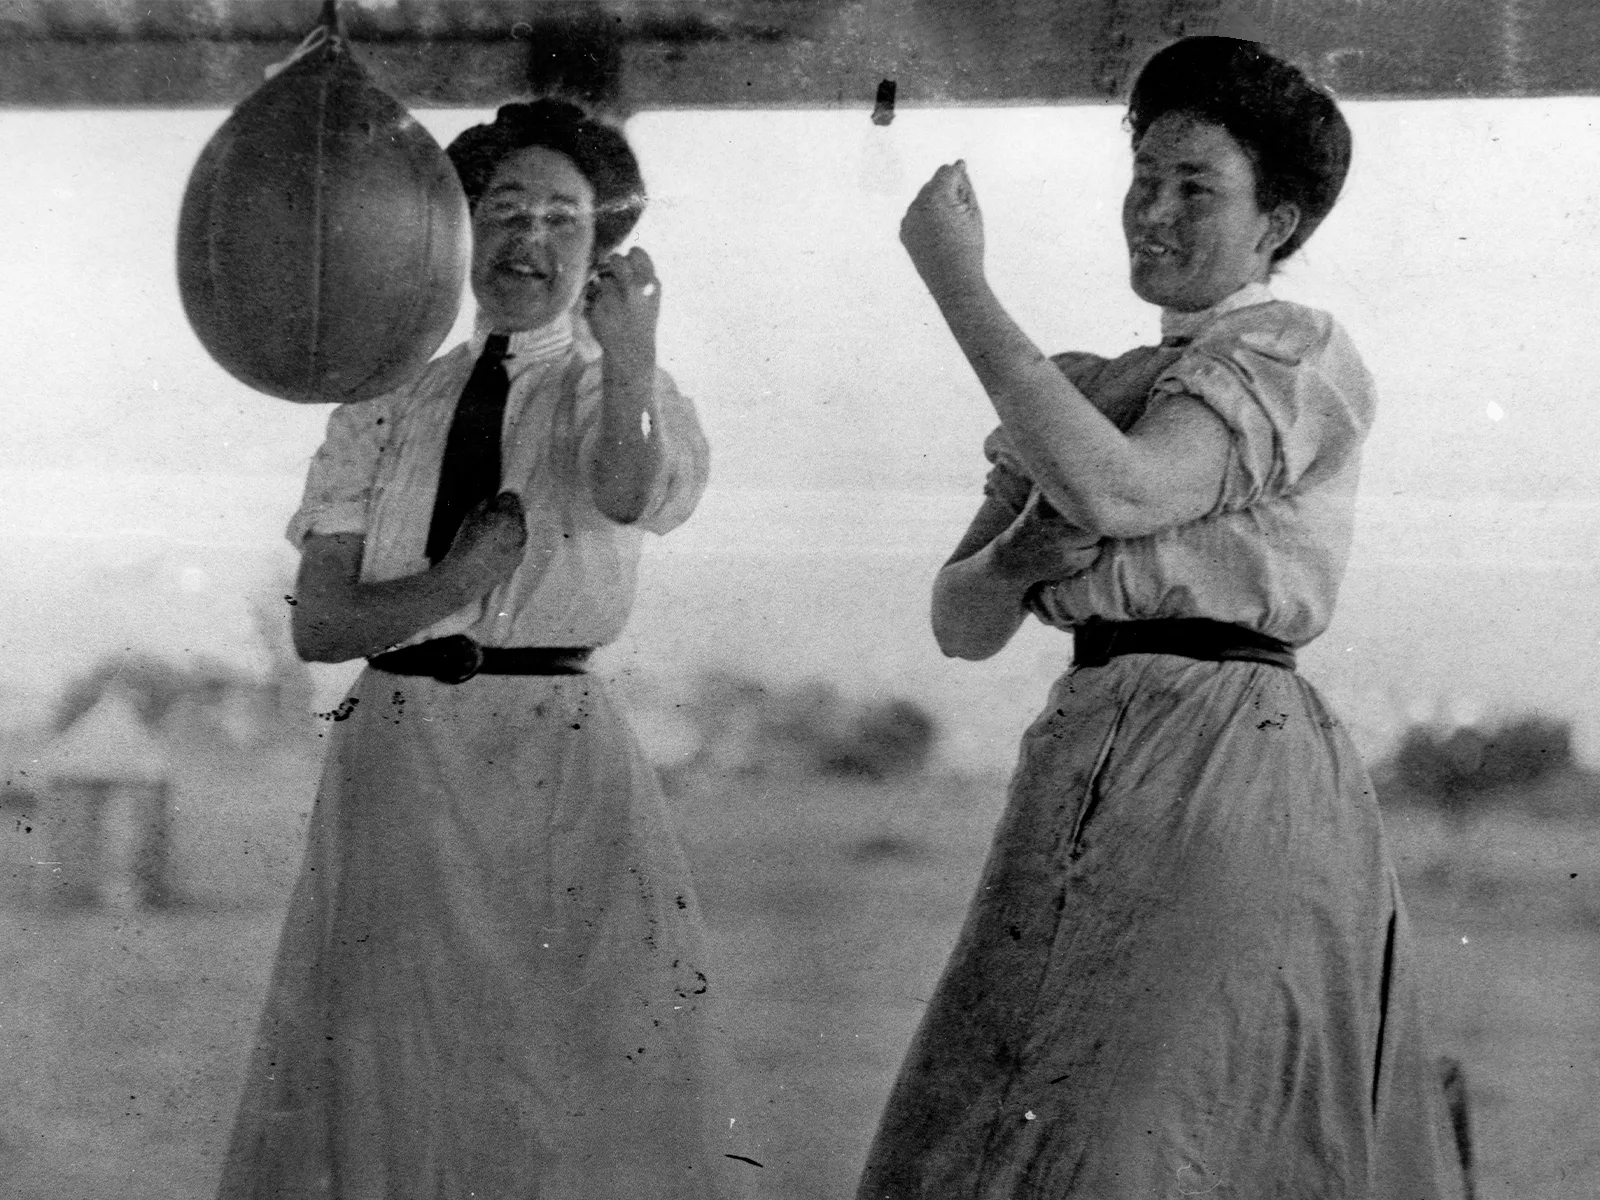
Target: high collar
[
  {"x": 530, "y": 346},
  {"x": 1179, "y": 328}
]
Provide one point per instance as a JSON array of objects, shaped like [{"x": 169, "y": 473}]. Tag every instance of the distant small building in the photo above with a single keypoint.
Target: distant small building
[{"x": 103, "y": 766}]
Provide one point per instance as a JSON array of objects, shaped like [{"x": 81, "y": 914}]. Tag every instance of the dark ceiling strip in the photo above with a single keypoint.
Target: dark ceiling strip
[{"x": 638, "y": 54}]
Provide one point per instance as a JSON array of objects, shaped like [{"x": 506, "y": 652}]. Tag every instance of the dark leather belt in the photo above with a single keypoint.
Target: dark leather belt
[
  {"x": 458, "y": 658},
  {"x": 1095, "y": 643}
]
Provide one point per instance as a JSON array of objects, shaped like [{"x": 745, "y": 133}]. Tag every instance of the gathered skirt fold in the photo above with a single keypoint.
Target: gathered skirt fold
[
  {"x": 491, "y": 981},
  {"x": 1186, "y": 971}
]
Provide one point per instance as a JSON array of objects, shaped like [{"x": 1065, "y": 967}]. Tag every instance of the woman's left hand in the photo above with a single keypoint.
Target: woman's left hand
[
  {"x": 1041, "y": 544},
  {"x": 623, "y": 303},
  {"x": 942, "y": 231}
]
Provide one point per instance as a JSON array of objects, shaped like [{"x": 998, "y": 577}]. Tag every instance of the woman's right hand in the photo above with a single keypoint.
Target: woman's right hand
[
  {"x": 1041, "y": 544},
  {"x": 339, "y": 616},
  {"x": 942, "y": 231},
  {"x": 489, "y": 546}
]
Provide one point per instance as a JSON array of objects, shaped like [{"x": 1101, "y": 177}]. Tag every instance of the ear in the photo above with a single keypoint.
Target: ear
[{"x": 1282, "y": 221}]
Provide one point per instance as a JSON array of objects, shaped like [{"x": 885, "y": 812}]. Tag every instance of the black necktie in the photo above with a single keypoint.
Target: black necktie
[{"x": 469, "y": 472}]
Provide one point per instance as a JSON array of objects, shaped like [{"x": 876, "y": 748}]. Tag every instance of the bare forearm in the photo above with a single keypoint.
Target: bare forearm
[
  {"x": 976, "y": 608},
  {"x": 1105, "y": 482},
  {"x": 1083, "y": 463},
  {"x": 337, "y": 618},
  {"x": 627, "y": 455}
]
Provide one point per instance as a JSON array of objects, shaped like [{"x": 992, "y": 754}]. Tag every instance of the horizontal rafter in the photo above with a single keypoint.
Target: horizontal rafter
[{"x": 637, "y": 54}]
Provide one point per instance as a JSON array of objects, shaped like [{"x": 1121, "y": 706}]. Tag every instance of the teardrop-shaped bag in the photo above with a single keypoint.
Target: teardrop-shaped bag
[{"x": 324, "y": 237}]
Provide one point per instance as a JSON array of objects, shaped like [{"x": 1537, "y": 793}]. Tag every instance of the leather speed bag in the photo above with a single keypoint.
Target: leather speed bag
[{"x": 324, "y": 237}]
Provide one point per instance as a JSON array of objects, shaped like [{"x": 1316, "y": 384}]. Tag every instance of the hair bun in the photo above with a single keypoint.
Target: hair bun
[
  {"x": 597, "y": 148},
  {"x": 1292, "y": 130}
]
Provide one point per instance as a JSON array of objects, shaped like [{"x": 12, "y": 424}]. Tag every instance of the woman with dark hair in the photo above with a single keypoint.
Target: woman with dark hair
[
  {"x": 1187, "y": 970},
  {"x": 490, "y": 982}
]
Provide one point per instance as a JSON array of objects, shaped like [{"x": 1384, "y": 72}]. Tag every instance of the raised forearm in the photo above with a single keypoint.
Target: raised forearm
[
  {"x": 626, "y": 458},
  {"x": 1105, "y": 482},
  {"x": 1087, "y": 468}
]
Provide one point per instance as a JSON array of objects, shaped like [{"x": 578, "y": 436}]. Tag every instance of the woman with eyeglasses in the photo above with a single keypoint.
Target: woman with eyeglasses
[{"x": 491, "y": 981}]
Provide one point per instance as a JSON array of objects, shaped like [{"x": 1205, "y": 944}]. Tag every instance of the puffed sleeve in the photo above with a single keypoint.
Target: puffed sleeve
[
  {"x": 1292, "y": 391},
  {"x": 685, "y": 453},
  {"x": 339, "y": 483}
]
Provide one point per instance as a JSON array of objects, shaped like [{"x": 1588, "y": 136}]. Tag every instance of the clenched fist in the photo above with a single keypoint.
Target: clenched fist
[
  {"x": 942, "y": 231},
  {"x": 489, "y": 545},
  {"x": 623, "y": 303},
  {"x": 1041, "y": 544}
]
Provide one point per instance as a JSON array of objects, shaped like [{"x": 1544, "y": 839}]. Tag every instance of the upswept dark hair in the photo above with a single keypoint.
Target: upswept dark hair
[
  {"x": 599, "y": 151},
  {"x": 1291, "y": 129}
]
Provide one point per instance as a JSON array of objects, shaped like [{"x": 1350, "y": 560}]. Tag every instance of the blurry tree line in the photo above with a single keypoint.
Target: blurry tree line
[
  {"x": 745, "y": 726},
  {"x": 209, "y": 696},
  {"x": 1522, "y": 763},
  {"x": 730, "y": 722},
  {"x": 740, "y": 724}
]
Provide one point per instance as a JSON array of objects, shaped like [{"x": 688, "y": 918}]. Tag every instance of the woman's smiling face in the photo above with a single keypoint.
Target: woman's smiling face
[
  {"x": 532, "y": 240},
  {"x": 1195, "y": 231}
]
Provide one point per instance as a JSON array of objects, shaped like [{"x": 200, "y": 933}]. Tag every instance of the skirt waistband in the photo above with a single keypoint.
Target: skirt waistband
[
  {"x": 1095, "y": 643},
  {"x": 458, "y": 658}
]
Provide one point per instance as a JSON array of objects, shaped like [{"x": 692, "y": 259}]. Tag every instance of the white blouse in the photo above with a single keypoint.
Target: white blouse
[
  {"x": 1298, "y": 403},
  {"x": 378, "y": 471}
]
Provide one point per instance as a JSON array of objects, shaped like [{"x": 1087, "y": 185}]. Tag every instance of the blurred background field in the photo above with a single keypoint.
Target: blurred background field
[{"x": 834, "y": 859}]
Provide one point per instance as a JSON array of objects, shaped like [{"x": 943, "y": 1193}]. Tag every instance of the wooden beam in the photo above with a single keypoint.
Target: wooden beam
[{"x": 639, "y": 54}]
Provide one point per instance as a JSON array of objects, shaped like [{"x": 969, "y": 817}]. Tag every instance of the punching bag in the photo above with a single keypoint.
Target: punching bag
[{"x": 324, "y": 237}]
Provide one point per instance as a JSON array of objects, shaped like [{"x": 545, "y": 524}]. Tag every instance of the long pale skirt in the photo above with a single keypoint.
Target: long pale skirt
[
  {"x": 1187, "y": 970},
  {"x": 491, "y": 980}
]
